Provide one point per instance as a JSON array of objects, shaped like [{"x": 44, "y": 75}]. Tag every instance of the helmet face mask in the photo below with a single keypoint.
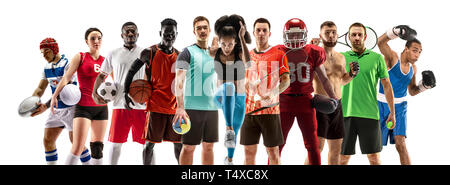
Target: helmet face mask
[{"x": 295, "y": 34}]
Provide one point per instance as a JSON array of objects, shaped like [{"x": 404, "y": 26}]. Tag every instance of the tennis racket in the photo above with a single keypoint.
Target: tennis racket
[
  {"x": 299, "y": 70},
  {"x": 370, "y": 42}
]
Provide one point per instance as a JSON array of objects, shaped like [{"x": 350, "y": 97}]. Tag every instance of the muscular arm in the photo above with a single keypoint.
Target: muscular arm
[
  {"x": 390, "y": 56},
  {"x": 346, "y": 78},
  {"x": 245, "y": 52},
  {"x": 39, "y": 91},
  {"x": 413, "y": 88},
  {"x": 179, "y": 87},
  {"x": 285, "y": 81},
  {"x": 389, "y": 93},
  {"x": 99, "y": 80},
  {"x": 214, "y": 47},
  {"x": 322, "y": 75}
]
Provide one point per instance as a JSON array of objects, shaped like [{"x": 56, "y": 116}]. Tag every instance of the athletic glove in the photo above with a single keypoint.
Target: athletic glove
[
  {"x": 428, "y": 81},
  {"x": 354, "y": 69},
  {"x": 402, "y": 31},
  {"x": 324, "y": 104}
]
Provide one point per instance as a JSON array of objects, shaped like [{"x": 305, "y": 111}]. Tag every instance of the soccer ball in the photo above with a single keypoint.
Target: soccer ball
[
  {"x": 70, "y": 94},
  {"x": 107, "y": 91},
  {"x": 182, "y": 128}
]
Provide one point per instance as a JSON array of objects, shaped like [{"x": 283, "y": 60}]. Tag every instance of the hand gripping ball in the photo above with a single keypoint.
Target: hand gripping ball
[{"x": 182, "y": 128}]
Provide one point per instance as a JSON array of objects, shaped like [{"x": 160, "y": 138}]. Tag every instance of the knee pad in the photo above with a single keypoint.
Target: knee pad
[{"x": 97, "y": 150}]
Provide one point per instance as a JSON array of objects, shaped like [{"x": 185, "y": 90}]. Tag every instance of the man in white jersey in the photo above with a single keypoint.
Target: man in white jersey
[
  {"x": 53, "y": 72},
  {"x": 117, "y": 63}
]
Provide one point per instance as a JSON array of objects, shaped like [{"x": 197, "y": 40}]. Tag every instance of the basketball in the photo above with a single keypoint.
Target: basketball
[
  {"x": 182, "y": 128},
  {"x": 140, "y": 91}
]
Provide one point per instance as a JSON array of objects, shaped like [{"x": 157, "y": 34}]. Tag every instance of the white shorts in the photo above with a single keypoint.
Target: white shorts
[{"x": 61, "y": 118}]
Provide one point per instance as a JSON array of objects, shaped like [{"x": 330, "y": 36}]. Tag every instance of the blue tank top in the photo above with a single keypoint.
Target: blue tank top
[{"x": 399, "y": 80}]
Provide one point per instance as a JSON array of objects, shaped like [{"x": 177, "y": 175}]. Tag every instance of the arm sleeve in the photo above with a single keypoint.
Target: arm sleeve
[
  {"x": 183, "y": 60},
  {"x": 136, "y": 66}
]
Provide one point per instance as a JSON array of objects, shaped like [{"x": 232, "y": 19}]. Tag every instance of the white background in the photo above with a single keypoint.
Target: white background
[{"x": 26, "y": 23}]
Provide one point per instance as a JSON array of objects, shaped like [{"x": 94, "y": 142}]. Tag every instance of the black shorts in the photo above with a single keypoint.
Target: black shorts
[
  {"x": 204, "y": 127},
  {"x": 91, "y": 112},
  {"x": 159, "y": 128},
  {"x": 368, "y": 133},
  {"x": 331, "y": 126},
  {"x": 267, "y": 125}
]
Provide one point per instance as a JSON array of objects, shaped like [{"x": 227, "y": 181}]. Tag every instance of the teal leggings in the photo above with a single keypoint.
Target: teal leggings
[{"x": 233, "y": 107}]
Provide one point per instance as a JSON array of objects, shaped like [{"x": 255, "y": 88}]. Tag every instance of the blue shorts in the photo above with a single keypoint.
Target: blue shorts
[{"x": 400, "y": 121}]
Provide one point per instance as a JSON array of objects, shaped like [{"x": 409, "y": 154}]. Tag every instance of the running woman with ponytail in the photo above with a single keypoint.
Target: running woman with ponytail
[{"x": 231, "y": 55}]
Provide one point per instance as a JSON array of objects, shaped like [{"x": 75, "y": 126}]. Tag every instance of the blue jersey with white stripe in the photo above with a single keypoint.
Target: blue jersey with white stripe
[
  {"x": 399, "y": 80},
  {"x": 53, "y": 72}
]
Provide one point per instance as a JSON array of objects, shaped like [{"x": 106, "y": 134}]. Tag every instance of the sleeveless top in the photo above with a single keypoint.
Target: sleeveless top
[
  {"x": 87, "y": 73},
  {"x": 399, "y": 80}
]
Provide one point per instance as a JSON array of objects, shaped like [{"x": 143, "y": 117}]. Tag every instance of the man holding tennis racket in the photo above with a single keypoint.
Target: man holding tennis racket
[
  {"x": 271, "y": 74},
  {"x": 402, "y": 73},
  {"x": 331, "y": 126},
  {"x": 297, "y": 101},
  {"x": 359, "y": 99}
]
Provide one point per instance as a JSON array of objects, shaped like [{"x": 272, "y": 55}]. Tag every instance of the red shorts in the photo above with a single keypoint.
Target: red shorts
[{"x": 121, "y": 122}]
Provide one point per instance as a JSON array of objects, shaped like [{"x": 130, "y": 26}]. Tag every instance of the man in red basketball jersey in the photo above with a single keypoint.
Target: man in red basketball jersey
[
  {"x": 117, "y": 63},
  {"x": 159, "y": 60}
]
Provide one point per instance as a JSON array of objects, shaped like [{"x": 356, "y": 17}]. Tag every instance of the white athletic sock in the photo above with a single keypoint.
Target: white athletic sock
[
  {"x": 51, "y": 157},
  {"x": 97, "y": 161},
  {"x": 114, "y": 153},
  {"x": 72, "y": 159}
]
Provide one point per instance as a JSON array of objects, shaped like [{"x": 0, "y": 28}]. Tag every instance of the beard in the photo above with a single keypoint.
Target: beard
[{"x": 329, "y": 44}]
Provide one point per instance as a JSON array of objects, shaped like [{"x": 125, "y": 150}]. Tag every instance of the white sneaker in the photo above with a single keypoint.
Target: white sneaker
[
  {"x": 230, "y": 139},
  {"x": 226, "y": 162}
]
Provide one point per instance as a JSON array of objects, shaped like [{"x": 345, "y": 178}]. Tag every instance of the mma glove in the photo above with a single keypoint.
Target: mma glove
[{"x": 354, "y": 69}]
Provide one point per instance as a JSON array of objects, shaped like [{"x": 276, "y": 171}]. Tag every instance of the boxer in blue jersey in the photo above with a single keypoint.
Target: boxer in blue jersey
[{"x": 402, "y": 74}]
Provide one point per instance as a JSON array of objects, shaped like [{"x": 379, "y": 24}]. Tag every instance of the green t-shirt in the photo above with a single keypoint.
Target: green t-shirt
[
  {"x": 201, "y": 78},
  {"x": 359, "y": 97}
]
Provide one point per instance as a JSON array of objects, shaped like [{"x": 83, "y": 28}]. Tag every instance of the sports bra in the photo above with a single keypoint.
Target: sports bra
[{"x": 229, "y": 72}]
